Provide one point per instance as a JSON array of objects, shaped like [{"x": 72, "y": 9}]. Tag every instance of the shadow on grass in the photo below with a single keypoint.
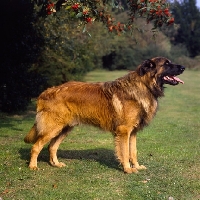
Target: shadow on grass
[{"x": 104, "y": 156}]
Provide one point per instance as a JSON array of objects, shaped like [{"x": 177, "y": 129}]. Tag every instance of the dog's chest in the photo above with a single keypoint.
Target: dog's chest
[
  {"x": 146, "y": 104},
  {"x": 149, "y": 105},
  {"x": 135, "y": 111}
]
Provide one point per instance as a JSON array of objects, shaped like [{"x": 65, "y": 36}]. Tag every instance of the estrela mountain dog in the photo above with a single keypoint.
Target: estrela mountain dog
[{"x": 123, "y": 106}]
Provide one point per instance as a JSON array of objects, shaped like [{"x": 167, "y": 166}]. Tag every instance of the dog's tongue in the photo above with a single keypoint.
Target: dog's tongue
[
  {"x": 174, "y": 78},
  {"x": 178, "y": 79}
]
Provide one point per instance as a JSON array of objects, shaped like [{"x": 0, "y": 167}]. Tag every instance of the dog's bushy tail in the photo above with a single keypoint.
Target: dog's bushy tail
[{"x": 31, "y": 137}]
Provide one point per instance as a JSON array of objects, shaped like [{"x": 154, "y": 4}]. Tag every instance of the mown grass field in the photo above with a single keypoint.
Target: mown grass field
[{"x": 169, "y": 147}]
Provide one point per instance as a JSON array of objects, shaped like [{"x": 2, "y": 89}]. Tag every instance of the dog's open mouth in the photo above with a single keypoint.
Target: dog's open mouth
[{"x": 172, "y": 80}]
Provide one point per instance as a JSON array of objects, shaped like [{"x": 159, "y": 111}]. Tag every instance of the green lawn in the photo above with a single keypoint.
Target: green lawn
[{"x": 169, "y": 147}]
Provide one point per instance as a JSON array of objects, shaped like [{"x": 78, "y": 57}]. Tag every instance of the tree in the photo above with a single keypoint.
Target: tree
[
  {"x": 187, "y": 17},
  {"x": 66, "y": 53},
  {"x": 19, "y": 49}
]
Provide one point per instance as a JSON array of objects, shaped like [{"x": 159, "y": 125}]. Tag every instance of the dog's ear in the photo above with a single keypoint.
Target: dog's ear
[{"x": 145, "y": 67}]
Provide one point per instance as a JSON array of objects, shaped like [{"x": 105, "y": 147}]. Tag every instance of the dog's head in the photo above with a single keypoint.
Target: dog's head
[{"x": 162, "y": 69}]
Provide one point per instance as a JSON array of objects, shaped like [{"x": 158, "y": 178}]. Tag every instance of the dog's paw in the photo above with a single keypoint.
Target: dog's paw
[
  {"x": 33, "y": 168},
  {"x": 141, "y": 167},
  {"x": 61, "y": 164},
  {"x": 58, "y": 164},
  {"x": 130, "y": 170}
]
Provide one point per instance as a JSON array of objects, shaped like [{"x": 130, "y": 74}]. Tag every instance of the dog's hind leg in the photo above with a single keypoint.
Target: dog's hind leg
[
  {"x": 122, "y": 147},
  {"x": 42, "y": 139},
  {"x": 133, "y": 152},
  {"x": 53, "y": 147}
]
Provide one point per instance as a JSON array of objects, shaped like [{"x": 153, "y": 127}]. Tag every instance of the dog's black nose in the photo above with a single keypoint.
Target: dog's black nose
[{"x": 182, "y": 68}]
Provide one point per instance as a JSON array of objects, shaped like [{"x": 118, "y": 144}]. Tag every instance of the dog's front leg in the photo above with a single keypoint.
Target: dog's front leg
[
  {"x": 122, "y": 148},
  {"x": 133, "y": 152}
]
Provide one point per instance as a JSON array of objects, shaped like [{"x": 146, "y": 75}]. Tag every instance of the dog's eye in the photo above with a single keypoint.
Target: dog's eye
[{"x": 167, "y": 63}]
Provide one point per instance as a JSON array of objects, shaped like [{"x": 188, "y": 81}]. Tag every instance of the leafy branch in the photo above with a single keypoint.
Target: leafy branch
[{"x": 90, "y": 11}]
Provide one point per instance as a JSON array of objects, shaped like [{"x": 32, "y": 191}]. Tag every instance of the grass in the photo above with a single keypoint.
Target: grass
[{"x": 169, "y": 147}]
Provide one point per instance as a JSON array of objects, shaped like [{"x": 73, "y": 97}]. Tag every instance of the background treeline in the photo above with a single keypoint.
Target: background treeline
[{"x": 38, "y": 52}]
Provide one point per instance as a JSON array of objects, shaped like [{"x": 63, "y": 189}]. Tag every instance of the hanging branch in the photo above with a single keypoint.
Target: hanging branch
[{"x": 89, "y": 11}]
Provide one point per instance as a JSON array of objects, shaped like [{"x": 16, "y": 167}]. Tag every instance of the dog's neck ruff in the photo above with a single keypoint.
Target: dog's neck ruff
[
  {"x": 155, "y": 85},
  {"x": 132, "y": 85}
]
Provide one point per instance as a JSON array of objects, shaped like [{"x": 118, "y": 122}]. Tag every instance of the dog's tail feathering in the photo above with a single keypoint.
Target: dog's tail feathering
[{"x": 31, "y": 137}]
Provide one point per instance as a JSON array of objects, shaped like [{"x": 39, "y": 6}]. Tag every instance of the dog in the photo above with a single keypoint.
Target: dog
[{"x": 123, "y": 107}]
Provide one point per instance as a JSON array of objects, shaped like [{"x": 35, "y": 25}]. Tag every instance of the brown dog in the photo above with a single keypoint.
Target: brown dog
[{"x": 123, "y": 107}]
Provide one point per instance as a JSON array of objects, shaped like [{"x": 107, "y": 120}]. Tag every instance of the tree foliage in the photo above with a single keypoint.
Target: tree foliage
[
  {"x": 88, "y": 11},
  {"x": 129, "y": 52},
  {"x": 65, "y": 54},
  {"x": 19, "y": 48},
  {"x": 187, "y": 29}
]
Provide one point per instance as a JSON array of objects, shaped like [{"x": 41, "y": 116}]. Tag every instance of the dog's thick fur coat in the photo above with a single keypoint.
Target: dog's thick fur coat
[{"x": 123, "y": 107}]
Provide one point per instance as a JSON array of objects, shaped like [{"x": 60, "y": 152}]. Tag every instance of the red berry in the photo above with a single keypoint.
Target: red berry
[
  {"x": 88, "y": 19},
  {"x": 171, "y": 21}
]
